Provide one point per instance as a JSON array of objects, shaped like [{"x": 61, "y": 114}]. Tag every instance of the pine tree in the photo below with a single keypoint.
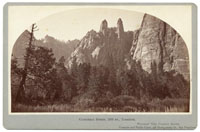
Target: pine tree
[
  {"x": 21, "y": 91},
  {"x": 66, "y": 79},
  {"x": 15, "y": 77},
  {"x": 42, "y": 73},
  {"x": 39, "y": 78},
  {"x": 83, "y": 77}
]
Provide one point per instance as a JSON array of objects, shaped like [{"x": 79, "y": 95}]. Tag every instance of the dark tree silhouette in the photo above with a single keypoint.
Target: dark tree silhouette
[{"x": 21, "y": 91}]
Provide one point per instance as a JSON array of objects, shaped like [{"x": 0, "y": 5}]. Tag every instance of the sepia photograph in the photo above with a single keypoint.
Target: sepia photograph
[{"x": 99, "y": 59}]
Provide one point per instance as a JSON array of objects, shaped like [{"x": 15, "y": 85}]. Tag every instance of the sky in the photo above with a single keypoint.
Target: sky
[
  {"x": 66, "y": 21},
  {"x": 74, "y": 24}
]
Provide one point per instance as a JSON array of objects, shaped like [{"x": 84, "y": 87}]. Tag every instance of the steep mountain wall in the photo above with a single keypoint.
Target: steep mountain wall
[{"x": 157, "y": 42}]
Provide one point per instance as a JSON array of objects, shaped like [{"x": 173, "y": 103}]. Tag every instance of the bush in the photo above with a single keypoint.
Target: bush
[
  {"x": 124, "y": 100},
  {"x": 169, "y": 105}
]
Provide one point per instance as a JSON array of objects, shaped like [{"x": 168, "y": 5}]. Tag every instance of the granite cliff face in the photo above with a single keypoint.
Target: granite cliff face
[
  {"x": 19, "y": 48},
  {"x": 157, "y": 42}
]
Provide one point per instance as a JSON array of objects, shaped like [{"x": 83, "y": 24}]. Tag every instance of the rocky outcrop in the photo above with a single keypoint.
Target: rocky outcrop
[
  {"x": 104, "y": 27},
  {"x": 59, "y": 48},
  {"x": 19, "y": 48},
  {"x": 134, "y": 42},
  {"x": 104, "y": 47},
  {"x": 159, "y": 43},
  {"x": 180, "y": 58},
  {"x": 120, "y": 28}
]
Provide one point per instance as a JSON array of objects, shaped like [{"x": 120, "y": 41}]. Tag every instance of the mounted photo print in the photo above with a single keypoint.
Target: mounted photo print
[{"x": 100, "y": 66}]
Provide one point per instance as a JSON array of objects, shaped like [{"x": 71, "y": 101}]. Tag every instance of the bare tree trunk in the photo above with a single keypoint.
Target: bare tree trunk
[{"x": 20, "y": 98}]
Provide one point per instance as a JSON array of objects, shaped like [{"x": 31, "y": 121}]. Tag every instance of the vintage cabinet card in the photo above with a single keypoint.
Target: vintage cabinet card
[{"x": 100, "y": 66}]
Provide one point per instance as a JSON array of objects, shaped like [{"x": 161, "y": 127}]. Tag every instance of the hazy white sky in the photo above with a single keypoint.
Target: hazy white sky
[
  {"x": 70, "y": 21},
  {"x": 74, "y": 24}
]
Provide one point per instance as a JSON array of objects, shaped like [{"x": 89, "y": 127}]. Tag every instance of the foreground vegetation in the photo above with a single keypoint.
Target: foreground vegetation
[{"x": 156, "y": 105}]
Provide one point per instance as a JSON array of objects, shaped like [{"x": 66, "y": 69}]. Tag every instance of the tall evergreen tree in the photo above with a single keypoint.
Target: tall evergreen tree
[
  {"x": 21, "y": 90},
  {"x": 42, "y": 73},
  {"x": 39, "y": 78},
  {"x": 66, "y": 80}
]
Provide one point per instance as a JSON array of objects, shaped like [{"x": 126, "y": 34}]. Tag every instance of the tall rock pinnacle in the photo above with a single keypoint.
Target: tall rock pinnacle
[
  {"x": 120, "y": 28},
  {"x": 104, "y": 27}
]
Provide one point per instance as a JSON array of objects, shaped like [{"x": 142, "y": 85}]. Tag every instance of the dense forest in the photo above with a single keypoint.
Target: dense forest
[{"x": 51, "y": 87}]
